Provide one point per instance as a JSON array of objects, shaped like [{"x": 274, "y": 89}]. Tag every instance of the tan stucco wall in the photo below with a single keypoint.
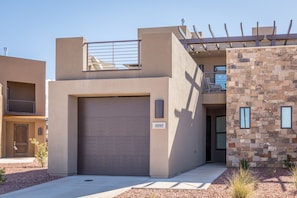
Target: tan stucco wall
[
  {"x": 1, "y": 116},
  {"x": 63, "y": 121},
  {"x": 186, "y": 141},
  {"x": 71, "y": 56},
  {"x": 25, "y": 71},
  {"x": 166, "y": 74},
  {"x": 209, "y": 61},
  {"x": 161, "y": 30}
]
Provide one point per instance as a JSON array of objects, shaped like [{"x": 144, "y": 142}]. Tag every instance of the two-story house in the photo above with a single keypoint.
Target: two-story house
[
  {"x": 22, "y": 105},
  {"x": 171, "y": 101}
]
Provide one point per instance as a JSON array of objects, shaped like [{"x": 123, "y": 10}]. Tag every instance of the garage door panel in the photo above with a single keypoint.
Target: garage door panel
[
  {"x": 91, "y": 147},
  {"x": 117, "y": 130},
  {"x": 129, "y": 126},
  {"x": 116, "y": 165},
  {"x": 126, "y": 106},
  {"x": 94, "y": 126}
]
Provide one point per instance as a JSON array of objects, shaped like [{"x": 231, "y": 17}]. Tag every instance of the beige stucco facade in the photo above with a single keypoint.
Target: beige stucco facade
[
  {"x": 22, "y": 105},
  {"x": 168, "y": 73},
  {"x": 199, "y": 125}
]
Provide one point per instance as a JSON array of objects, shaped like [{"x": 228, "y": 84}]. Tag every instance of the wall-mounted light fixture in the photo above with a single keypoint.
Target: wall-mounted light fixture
[
  {"x": 159, "y": 108},
  {"x": 40, "y": 131}
]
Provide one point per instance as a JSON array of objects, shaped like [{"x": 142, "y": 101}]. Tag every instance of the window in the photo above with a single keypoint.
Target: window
[
  {"x": 286, "y": 117},
  {"x": 221, "y": 132},
  {"x": 245, "y": 117},
  {"x": 220, "y": 76},
  {"x": 20, "y": 97}
]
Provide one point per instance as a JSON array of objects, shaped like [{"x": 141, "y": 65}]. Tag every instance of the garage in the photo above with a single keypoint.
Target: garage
[{"x": 114, "y": 136}]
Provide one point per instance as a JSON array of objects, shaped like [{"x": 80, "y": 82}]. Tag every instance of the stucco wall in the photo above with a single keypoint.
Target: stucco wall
[
  {"x": 186, "y": 148},
  {"x": 1, "y": 117},
  {"x": 263, "y": 79},
  {"x": 63, "y": 118},
  {"x": 168, "y": 73},
  {"x": 71, "y": 56},
  {"x": 25, "y": 71}
]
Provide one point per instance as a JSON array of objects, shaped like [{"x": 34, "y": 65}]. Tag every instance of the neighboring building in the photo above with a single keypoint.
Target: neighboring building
[
  {"x": 22, "y": 105},
  {"x": 182, "y": 102}
]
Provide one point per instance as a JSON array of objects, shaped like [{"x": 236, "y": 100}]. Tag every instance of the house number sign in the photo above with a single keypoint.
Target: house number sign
[{"x": 159, "y": 125}]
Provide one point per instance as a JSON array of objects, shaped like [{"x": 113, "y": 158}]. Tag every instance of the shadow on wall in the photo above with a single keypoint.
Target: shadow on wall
[{"x": 188, "y": 147}]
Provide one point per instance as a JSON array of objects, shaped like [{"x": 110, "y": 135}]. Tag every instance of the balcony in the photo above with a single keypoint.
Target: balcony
[
  {"x": 20, "y": 98},
  {"x": 113, "y": 55},
  {"x": 214, "y": 92},
  {"x": 20, "y": 106}
]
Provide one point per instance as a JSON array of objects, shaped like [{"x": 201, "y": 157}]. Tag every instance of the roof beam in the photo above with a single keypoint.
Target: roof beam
[
  {"x": 199, "y": 37},
  {"x": 184, "y": 37},
  {"x": 290, "y": 26},
  {"x": 226, "y": 30},
  {"x": 282, "y": 37},
  {"x": 217, "y": 45},
  {"x": 223, "y": 39},
  {"x": 273, "y": 33},
  {"x": 241, "y": 28}
]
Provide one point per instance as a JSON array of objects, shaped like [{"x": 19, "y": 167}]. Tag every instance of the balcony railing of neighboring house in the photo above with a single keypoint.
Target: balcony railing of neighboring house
[
  {"x": 214, "y": 82},
  {"x": 113, "y": 55},
  {"x": 20, "y": 106}
]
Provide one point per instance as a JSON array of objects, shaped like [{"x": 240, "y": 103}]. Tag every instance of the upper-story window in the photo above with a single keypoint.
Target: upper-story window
[
  {"x": 20, "y": 97},
  {"x": 220, "y": 76},
  {"x": 286, "y": 117}
]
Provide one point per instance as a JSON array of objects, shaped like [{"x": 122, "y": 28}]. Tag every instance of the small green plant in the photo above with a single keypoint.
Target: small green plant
[
  {"x": 293, "y": 172},
  {"x": 2, "y": 178},
  {"x": 288, "y": 162},
  {"x": 42, "y": 151},
  {"x": 242, "y": 183},
  {"x": 244, "y": 164}
]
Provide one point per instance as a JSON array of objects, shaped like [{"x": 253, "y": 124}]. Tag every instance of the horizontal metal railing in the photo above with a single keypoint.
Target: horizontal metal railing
[
  {"x": 214, "y": 81},
  {"x": 113, "y": 55},
  {"x": 21, "y": 106}
]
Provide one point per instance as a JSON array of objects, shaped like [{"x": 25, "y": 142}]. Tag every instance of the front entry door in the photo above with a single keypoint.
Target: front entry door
[{"x": 20, "y": 141}]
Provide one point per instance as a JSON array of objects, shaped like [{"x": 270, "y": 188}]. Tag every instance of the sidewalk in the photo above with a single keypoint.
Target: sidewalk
[{"x": 17, "y": 160}]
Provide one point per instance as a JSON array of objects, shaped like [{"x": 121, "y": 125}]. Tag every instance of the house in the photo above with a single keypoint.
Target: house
[
  {"x": 22, "y": 105},
  {"x": 171, "y": 101}
]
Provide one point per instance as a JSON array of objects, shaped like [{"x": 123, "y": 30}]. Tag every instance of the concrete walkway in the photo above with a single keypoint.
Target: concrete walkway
[
  {"x": 109, "y": 186},
  {"x": 17, "y": 160}
]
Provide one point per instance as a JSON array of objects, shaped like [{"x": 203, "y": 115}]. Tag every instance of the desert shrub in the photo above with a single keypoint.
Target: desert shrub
[
  {"x": 242, "y": 183},
  {"x": 293, "y": 172},
  {"x": 41, "y": 152},
  {"x": 288, "y": 162},
  {"x": 2, "y": 177},
  {"x": 244, "y": 164}
]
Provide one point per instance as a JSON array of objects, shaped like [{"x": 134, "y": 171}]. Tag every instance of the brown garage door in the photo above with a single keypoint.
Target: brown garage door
[{"x": 113, "y": 136}]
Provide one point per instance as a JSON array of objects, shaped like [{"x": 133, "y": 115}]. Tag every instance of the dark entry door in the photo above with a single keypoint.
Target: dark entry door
[
  {"x": 208, "y": 138},
  {"x": 20, "y": 143}
]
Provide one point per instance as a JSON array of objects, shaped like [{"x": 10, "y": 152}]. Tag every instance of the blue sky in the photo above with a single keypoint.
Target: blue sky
[{"x": 28, "y": 28}]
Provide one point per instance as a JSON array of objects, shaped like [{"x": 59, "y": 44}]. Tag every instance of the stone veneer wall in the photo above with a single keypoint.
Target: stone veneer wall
[{"x": 264, "y": 79}]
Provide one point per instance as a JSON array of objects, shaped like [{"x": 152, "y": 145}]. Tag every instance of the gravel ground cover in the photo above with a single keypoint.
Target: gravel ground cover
[
  {"x": 272, "y": 183},
  {"x": 22, "y": 175}
]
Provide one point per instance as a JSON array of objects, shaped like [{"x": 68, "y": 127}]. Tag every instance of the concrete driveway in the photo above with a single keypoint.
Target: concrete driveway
[{"x": 110, "y": 186}]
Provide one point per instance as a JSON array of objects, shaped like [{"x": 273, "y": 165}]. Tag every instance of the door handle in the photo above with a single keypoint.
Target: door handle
[{"x": 14, "y": 146}]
